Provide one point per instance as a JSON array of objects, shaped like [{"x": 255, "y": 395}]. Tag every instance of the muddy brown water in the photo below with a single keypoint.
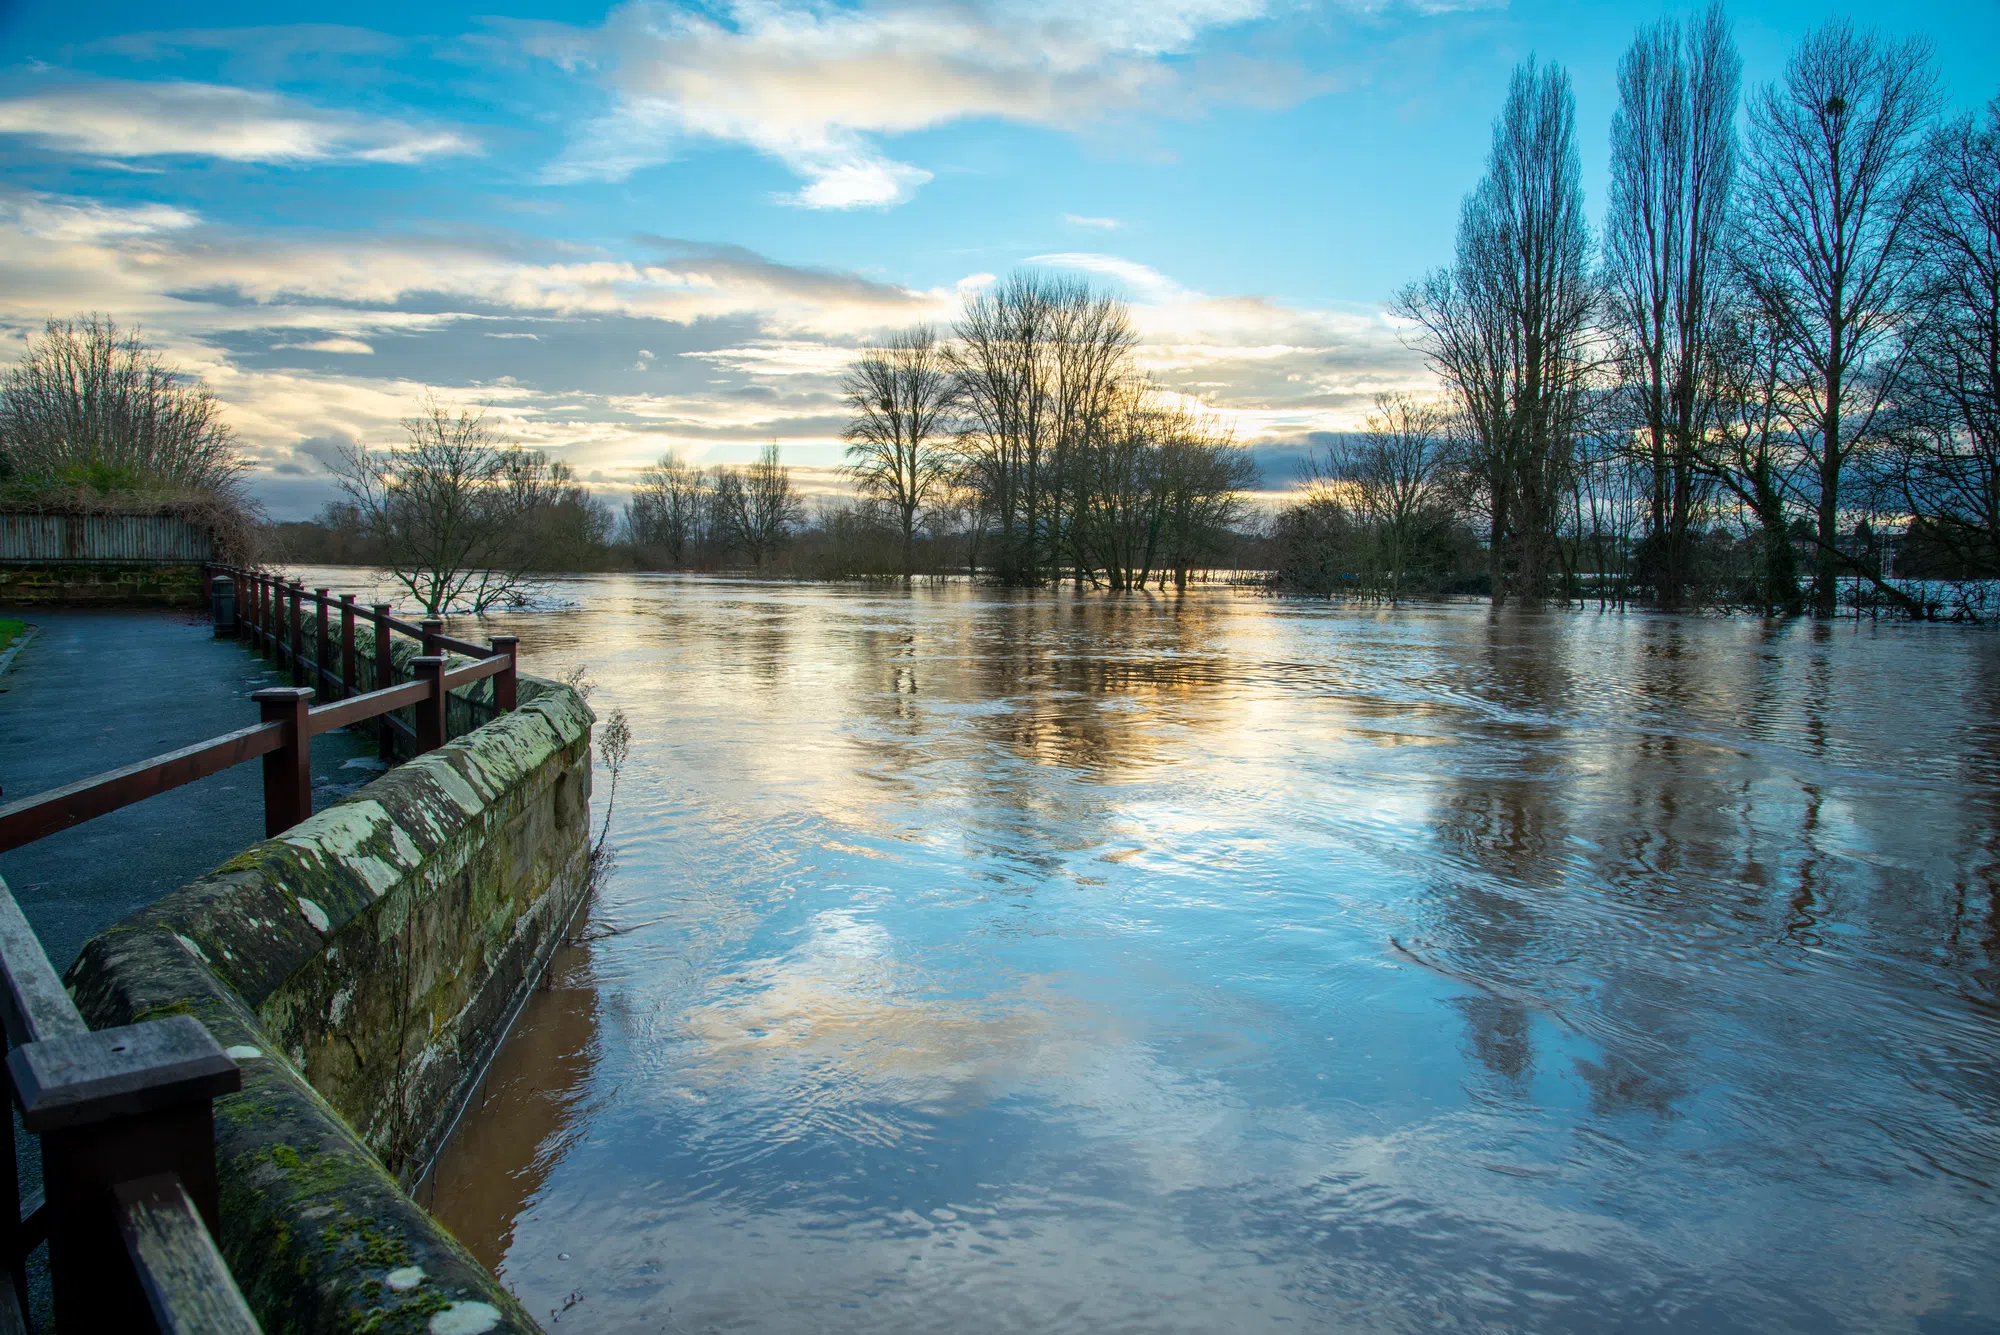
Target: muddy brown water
[{"x": 978, "y": 962}]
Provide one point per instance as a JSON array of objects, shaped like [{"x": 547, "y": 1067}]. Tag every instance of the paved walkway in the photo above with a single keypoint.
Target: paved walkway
[{"x": 96, "y": 690}]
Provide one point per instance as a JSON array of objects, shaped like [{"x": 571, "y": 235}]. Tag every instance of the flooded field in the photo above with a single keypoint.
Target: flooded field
[{"x": 979, "y": 962}]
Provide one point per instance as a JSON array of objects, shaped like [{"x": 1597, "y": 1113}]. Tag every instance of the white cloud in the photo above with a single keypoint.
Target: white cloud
[
  {"x": 1097, "y": 224},
  {"x": 813, "y": 85},
  {"x": 348, "y": 345},
  {"x": 125, "y": 119}
]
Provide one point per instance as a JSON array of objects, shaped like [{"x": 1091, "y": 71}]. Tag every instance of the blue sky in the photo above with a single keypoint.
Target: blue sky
[{"x": 660, "y": 226}]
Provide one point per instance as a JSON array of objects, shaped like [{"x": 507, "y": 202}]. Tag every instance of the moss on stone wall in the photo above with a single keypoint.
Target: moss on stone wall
[
  {"x": 62, "y": 585},
  {"x": 361, "y": 968}
]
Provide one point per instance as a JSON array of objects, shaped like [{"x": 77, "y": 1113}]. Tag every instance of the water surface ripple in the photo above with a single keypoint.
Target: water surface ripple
[{"x": 979, "y": 962}]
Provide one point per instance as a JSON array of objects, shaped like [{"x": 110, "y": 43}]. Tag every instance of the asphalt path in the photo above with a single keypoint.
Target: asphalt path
[{"x": 96, "y": 690}]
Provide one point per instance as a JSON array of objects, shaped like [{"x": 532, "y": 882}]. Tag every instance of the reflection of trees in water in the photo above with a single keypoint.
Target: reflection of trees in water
[
  {"x": 1759, "y": 800},
  {"x": 1074, "y": 667},
  {"x": 1096, "y": 687},
  {"x": 1528, "y": 835},
  {"x": 526, "y": 1109}
]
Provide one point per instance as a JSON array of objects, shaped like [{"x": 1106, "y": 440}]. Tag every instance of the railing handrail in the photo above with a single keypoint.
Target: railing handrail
[
  {"x": 181, "y": 1271},
  {"x": 45, "y": 813},
  {"x": 34, "y": 1004},
  {"x": 359, "y": 708}
]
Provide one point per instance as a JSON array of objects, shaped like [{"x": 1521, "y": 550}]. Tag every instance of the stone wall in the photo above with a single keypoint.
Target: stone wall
[
  {"x": 362, "y": 967},
  {"x": 67, "y": 585}
]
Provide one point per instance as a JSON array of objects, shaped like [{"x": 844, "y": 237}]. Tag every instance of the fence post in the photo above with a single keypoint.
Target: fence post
[
  {"x": 432, "y": 628},
  {"x": 287, "y": 770},
  {"x": 222, "y": 601},
  {"x": 298, "y": 593},
  {"x": 385, "y": 678},
  {"x": 109, "y": 1107},
  {"x": 322, "y": 643},
  {"x": 259, "y": 621},
  {"x": 430, "y": 709},
  {"x": 348, "y": 684},
  {"x": 504, "y": 685}
]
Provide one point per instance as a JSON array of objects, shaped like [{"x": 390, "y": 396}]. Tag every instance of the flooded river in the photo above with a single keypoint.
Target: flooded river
[{"x": 1043, "y": 963}]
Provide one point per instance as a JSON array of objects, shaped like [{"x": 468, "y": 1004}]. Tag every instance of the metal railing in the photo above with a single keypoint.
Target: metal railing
[{"x": 129, "y": 1206}]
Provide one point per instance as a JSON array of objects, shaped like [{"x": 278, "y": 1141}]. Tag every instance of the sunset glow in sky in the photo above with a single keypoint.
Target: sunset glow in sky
[{"x": 667, "y": 226}]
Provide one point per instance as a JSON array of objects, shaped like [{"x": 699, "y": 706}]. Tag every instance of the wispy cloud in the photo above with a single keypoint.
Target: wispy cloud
[
  {"x": 1096, "y": 224},
  {"x": 116, "y": 118},
  {"x": 816, "y": 86},
  {"x": 353, "y": 346}
]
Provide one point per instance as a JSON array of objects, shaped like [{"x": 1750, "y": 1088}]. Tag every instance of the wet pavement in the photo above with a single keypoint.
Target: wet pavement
[{"x": 96, "y": 690}]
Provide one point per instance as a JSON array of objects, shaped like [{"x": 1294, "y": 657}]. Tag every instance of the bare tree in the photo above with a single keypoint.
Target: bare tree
[
  {"x": 1507, "y": 327},
  {"x": 93, "y": 403},
  {"x": 757, "y": 506},
  {"x": 666, "y": 509},
  {"x": 1203, "y": 474},
  {"x": 1673, "y": 163},
  {"x": 1828, "y": 247},
  {"x": 901, "y": 395},
  {"x": 1039, "y": 364},
  {"x": 1396, "y": 475},
  {"x": 1946, "y": 472},
  {"x": 446, "y": 507},
  {"x": 1751, "y": 451}
]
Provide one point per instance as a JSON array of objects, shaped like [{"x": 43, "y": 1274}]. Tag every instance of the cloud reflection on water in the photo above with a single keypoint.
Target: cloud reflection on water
[{"x": 1061, "y": 963}]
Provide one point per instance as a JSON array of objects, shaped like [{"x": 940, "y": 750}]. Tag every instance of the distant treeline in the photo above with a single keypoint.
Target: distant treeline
[{"x": 1025, "y": 448}]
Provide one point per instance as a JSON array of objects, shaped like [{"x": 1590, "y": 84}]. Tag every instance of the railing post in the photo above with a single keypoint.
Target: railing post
[
  {"x": 432, "y": 629},
  {"x": 385, "y": 676},
  {"x": 348, "y": 684},
  {"x": 110, "y": 1107},
  {"x": 298, "y": 593},
  {"x": 287, "y": 770},
  {"x": 504, "y": 684},
  {"x": 222, "y": 601},
  {"x": 322, "y": 643},
  {"x": 430, "y": 709}
]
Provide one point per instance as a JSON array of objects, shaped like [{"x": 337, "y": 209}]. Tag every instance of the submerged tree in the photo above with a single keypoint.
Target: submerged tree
[
  {"x": 1829, "y": 247},
  {"x": 1040, "y": 364},
  {"x": 1673, "y": 164},
  {"x": 757, "y": 507},
  {"x": 899, "y": 436},
  {"x": 667, "y": 508},
  {"x": 1945, "y": 469},
  {"x": 1397, "y": 475},
  {"x": 1508, "y": 326},
  {"x": 453, "y": 510}
]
